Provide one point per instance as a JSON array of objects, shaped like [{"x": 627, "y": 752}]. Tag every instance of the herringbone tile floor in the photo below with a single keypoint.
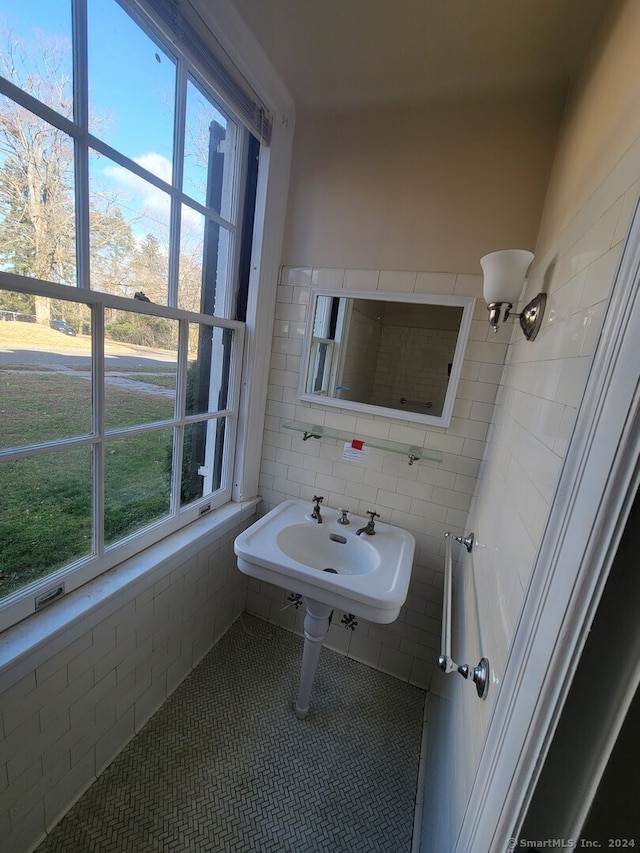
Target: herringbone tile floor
[{"x": 225, "y": 766}]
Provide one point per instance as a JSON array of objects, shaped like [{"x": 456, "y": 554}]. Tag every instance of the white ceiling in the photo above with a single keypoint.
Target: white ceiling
[{"x": 345, "y": 52}]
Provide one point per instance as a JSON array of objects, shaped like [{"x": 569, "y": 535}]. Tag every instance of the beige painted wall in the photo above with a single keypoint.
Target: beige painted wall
[
  {"x": 603, "y": 122},
  {"x": 429, "y": 186}
]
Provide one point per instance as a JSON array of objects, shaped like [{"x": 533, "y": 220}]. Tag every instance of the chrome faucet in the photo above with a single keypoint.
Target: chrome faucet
[
  {"x": 369, "y": 528},
  {"x": 316, "y": 510}
]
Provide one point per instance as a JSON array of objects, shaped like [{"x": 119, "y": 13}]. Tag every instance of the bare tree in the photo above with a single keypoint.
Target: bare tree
[{"x": 36, "y": 170}]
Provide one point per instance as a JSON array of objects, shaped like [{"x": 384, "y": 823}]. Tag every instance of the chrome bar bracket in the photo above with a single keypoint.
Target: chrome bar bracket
[
  {"x": 481, "y": 678},
  {"x": 467, "y": 541}
]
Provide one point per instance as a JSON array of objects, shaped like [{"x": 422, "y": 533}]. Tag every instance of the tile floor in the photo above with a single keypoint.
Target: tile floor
[{"x": 226, "y": 766}]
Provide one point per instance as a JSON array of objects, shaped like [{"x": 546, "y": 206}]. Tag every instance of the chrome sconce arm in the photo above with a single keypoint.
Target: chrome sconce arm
[
  {"x": 504, "y": 277},
  {"x": 530, "y": 317}
]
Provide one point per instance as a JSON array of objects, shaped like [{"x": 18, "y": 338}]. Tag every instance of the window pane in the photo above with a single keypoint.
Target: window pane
[
  {"x": 37, "y": 226},
  {"x": 208, "y": 371},
  {"x": 137, "y": 482},
  {"x": 45, "y": 515},
  {"x": 131, "y": 89},
  {"x": 141, "y": 356},
  {"x": 202, "y": 459},
  {"x": 35, "y": 50},
  {"x": 209, "y": 154},
  {"x": 193, "y": 460},
  {"x": 129, "y": 232},
  {"x": 191, "y": 252},
  {"x": 45, "y": 369},
  {"x": 205, "y": 265}
]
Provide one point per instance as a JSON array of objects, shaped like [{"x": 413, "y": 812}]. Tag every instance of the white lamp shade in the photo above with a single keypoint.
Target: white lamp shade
[{"x": 504, "y": 274}]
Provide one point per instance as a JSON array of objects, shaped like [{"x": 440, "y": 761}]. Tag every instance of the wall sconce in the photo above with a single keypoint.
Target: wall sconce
[{"x": 504, "y": 276}]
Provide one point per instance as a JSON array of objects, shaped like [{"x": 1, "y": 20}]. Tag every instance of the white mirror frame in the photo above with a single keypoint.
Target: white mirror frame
[{"x": 467, "y": 303}]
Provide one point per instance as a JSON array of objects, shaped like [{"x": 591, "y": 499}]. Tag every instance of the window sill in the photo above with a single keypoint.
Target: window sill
[{"x": 32, "y": 641}]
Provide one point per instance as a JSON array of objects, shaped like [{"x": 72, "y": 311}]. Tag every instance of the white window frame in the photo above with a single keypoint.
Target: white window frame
[{"x": 248, "y": 382}]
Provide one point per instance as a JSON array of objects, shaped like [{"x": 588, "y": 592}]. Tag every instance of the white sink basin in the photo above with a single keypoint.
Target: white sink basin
[{"x": 368, "y": 575}]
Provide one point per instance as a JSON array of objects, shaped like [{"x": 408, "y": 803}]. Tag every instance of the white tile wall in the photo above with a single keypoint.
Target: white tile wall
[
  {"x": 427, "y": 498},
  {"x": 67, "y": 717},
  {"x": 535, "y": 408}
]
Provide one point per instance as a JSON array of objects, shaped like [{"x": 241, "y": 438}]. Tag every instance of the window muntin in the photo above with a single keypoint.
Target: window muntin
[{"x": 132, "y": 215}]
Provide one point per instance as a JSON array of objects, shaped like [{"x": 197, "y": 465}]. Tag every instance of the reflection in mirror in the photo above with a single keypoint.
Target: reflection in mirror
[{"x": 387, "y": 353}]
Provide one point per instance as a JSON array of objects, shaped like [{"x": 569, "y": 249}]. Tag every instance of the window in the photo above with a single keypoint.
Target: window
[
  {"x": 328, "y": 330},
  {"x": 127, "y": 195}
]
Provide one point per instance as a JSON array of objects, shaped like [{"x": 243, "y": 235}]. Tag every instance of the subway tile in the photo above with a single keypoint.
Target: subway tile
[
  {"x": 112, "y": 741},
  {"x": 571, "y": 381},
  {"x": 600, "y": 277},
  {"x": 421, "y": 674},
  {"x": 24, "y": 796},
  {"x": 301, "y": 475},
  {"x": 435, "y": 283},
  {"x": 60, "y": 797},
  {"x": 395, "y": 662},
  {"x": 361, "y": 279},
  {"x": 327, "y": 278},
  {"x": 363, "y": 649},
  {"x": 362, "y": 493},
  {"x": 393, "y": 500},
  {"x": 375, "y": 428},
  {"x": 468, "y": 285},
  {"x": 284, "y": 294},
  {"x": 278, "y": 361},
  {"x": 406, "y": 435},
  {"x": 330, "y": 484},
  {"x": 339, "y": 421},
  {"x": 300, "y": 276},
  {"x": 397, "y": 281},
  {"x": 490, "y": 372},
  {"x": 300, "y": 295},
  {"x": 381, "y": 480},
  {"x": 414, "y": 489},
  {"x": 22, "y": 748},
  {"x": 349, "y": 472},
  {"x": 56, "y": 705},
  {"x": 291, "y": 314}
]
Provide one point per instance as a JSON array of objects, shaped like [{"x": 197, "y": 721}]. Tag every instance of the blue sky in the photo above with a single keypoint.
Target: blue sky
[
  {"x": 139, "y": 117},
  {"x": 131, "y": 93}
]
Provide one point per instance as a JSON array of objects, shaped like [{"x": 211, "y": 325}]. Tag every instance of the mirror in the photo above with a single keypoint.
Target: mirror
[{"x": 392, "y": 354}]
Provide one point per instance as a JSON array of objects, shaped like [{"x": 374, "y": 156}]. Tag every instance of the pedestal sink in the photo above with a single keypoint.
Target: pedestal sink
[{"x": 331, "y": 566}]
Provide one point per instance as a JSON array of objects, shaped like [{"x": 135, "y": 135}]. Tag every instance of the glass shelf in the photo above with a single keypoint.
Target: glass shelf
[{"x": 411, "y": 451}]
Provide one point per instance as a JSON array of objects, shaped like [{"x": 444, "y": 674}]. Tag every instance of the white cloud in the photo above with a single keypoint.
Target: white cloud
[
  {"x": 148, "y": 206},
  {"x": 158, "y": 164}
]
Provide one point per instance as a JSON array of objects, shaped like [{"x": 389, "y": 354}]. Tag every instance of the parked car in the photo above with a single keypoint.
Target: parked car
[{"x": 61, "y": 326}]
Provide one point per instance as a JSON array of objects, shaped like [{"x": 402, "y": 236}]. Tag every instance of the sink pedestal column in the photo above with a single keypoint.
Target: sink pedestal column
[{"x": 316, "y": 625}]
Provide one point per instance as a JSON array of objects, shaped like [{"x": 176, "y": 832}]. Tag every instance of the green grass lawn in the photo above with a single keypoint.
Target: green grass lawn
[{"x": 45, "y": 501}]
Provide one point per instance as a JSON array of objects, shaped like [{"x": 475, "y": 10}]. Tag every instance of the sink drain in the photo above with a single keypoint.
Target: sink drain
[{"x": 332, "y": 571}]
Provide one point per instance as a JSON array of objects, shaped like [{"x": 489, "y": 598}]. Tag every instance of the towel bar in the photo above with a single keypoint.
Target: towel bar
[{"x": 445, "y": 660}]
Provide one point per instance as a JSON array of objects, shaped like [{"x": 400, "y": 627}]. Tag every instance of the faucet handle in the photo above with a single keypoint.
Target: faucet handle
[
  {"x": 344, "y": 518},
  {"x": 317, "y": 499},
  {"x": 372, "y": 514}
]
